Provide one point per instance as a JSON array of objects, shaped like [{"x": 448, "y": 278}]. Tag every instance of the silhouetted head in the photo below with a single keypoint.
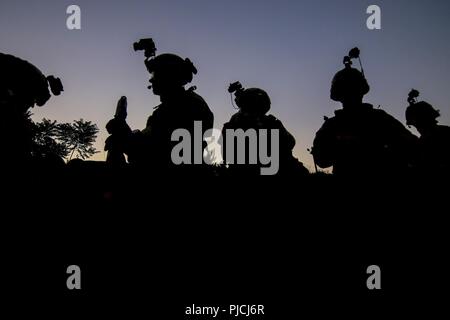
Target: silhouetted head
[
  {"x": 169, "y": 72},
  {"x": 23, "y": 85},
  {"x": 252, "y": 100},
  {"x": 420, "y": 114},
  {"x": 349, "y": 86}
]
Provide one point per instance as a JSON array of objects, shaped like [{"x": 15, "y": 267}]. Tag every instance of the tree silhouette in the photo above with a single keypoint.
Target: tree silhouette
[
  {"x": 63, "y": 139},
  {"x": 78, "y": 137},
  {"x": 45, "y": 139}
]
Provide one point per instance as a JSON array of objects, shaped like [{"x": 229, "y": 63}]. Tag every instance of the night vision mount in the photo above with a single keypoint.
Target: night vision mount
[
  {"x": 147, "y": 45},
  {"x": 412, "y": 96},
  {"x": 353, "y": 54}
]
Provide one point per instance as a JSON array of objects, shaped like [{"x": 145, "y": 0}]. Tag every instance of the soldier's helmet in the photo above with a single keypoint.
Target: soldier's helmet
[
  {"x": 349, "y": 82},
  {"x": 25, "y": 83},
  {"x": 251, "y": 100},
  {"x": 172, "y": 67},
  {"x": 418, "y": 113}
]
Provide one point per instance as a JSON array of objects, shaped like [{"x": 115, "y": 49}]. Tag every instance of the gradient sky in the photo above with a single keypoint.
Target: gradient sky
[{"x": 291, "y": 49}]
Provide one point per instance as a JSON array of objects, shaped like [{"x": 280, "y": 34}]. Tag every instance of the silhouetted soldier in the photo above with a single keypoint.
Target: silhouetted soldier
[
  {"x": 360, "y": 140},
  {"x": 253, "y": 104},
  {"x": 22, "y": 86},
  {"x": 120, "y": 133},
  {"x": 151, "y": 148},
  {"x": 434, "y": 142}
]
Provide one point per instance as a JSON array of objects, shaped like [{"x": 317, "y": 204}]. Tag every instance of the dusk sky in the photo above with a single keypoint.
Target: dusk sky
[{"x": 291, "y": 49}]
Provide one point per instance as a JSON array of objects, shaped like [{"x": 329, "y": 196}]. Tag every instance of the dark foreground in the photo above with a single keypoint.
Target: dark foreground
[{"x": 148, "y": 247}]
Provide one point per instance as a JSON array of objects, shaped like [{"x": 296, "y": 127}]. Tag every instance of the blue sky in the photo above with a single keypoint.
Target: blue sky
[{"x": 289, "y": 48}]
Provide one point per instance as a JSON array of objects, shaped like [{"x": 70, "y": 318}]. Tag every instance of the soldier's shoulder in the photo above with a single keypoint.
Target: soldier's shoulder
[
  {"x": 236, "y": 117},
  {"x": 272, "y": 122},
  {"x": 156, "y": 110},
  {"x": 444, "y": 130},
  {"x": 196, "y": 98},
  {"x": 9, "y": 59},
  {"x": 381, "y": 113},
  {"x": 333, "y": 120},
  {"x": 384, "y": 116},
  {"x": 235, "y": 120},
  {"x": 157, "y": 113},
  {"x": 198, "y": 104},
  {"x": 329, "y": 126},
  {"x": 271, "y": 117}
]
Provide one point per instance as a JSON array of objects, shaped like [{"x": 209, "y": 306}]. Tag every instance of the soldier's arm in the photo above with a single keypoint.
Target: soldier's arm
[
  {"x": 402, "y": 136},
  {"x": 404, "y": 142},
  {"x": 287, "y": 140},
  {"x": 136, "y": 141},
  {"x": 222, "y": 141},
  {"x": 324, "y": 146}
]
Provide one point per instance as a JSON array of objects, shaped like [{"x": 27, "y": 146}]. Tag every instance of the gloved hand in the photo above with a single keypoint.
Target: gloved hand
[{"x": 118, "y": 125}]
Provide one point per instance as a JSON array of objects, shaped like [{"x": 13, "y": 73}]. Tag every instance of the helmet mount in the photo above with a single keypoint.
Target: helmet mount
[
  {"x": 252, "y": 100},
  {"x": 420, "y": 114},
  {"x": 171, "y": 65},
  {"x": 353, "y": 54}
]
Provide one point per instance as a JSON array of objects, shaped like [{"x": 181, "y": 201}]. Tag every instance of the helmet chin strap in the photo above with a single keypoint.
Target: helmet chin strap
[
  {"x": 232, "y": 102},
  {"x": 360, "y": 64}
]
